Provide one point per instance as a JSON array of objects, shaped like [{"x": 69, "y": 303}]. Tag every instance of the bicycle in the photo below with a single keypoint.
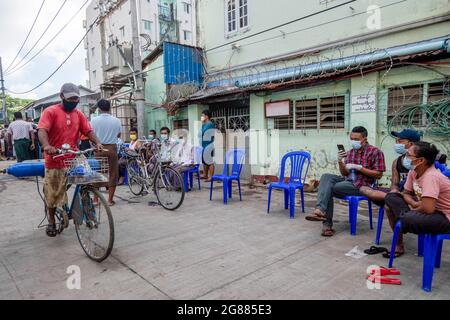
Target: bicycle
[
  {"x": 166, "y": 182},
  {"x": 94, "y": 232}
]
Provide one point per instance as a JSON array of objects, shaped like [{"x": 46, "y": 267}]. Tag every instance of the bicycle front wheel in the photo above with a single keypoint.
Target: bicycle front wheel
[
  {"x": 94, "y": 224},
  {"x": 135, "y": 176},
  {"x": 169, "y": 188}
]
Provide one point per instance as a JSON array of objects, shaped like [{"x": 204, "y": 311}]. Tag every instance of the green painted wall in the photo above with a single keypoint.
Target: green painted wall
[{"x": 320, "y": 29}]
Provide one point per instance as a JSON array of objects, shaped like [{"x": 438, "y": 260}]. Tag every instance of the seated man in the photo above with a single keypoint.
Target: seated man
[
  {"x": 183, "y": 154},
  {"x": 424, "y": 206},
  {"x": 363, "y": 165},
  {"x": 167, "y": 144}
]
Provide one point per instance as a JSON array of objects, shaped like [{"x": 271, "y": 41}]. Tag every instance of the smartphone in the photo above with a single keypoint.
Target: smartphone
[{"x": 341, "y": 148}]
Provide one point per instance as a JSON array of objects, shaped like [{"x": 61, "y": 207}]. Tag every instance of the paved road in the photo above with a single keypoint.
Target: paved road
[{"x": 203, "y": 251}]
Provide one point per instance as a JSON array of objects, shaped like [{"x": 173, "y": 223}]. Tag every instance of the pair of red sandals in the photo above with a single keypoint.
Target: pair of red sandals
[{"x": 379, "y": 275}]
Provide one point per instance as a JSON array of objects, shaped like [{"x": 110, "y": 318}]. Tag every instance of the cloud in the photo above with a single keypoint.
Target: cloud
[{"x": 18, "y": 22}]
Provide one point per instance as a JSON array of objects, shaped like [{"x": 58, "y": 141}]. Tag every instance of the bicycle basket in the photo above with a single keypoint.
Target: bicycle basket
[{"x": 81, "y": 170}]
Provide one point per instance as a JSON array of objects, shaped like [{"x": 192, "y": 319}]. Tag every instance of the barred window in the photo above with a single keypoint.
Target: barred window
[
  {"x": 332, "y": 113},
  {"x": 400, "y": 98},
  {"x": 181, "y": 124},
  {"x": 306, "y": 114},
  {"x": 438, "y": 91}
]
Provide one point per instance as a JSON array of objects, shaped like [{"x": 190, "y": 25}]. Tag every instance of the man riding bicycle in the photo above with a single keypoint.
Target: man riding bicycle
[{"x": 61, "y": 124}]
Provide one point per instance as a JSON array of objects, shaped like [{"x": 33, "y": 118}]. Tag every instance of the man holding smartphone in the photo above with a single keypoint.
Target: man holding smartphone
[{"x": 359, "y": 167}]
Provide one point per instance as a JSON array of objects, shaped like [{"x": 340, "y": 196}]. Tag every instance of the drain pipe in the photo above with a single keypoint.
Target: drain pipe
[{"x": 331, "y": 65}]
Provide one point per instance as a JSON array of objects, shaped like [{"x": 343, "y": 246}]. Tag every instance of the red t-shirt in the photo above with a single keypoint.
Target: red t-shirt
[{"x": 62, "y": 128}]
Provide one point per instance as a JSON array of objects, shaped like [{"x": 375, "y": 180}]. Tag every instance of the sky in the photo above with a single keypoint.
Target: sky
[{"x": 16, "y": 18}]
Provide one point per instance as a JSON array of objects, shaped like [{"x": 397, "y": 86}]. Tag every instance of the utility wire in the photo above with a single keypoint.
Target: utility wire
[
  {"x": 60, "y": 66},
  {"x": 48, "y": 43},
  {"x": 28, "y": 35},
  {"x": 43, "y": 33}
]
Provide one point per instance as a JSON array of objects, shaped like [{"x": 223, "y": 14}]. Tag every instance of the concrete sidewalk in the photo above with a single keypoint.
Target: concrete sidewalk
[{"x": 205, "y": 250}]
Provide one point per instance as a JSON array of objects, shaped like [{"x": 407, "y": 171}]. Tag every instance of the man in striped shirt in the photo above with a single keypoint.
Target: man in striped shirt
[{"x": 363, "y": 165}]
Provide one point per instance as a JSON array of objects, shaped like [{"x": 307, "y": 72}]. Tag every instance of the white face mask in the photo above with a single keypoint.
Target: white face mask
[{"x": 164, "y": 137}]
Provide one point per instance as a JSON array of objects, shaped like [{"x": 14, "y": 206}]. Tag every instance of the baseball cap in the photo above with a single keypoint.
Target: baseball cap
[
  {"x": 409, "y": 134},
  {"x": 69, "y": 90}
]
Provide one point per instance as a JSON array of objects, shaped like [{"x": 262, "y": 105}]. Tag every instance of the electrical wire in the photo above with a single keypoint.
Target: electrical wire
[
  {"x": 42, "y": 35},
  {"x": 60, "y": 66},
  {"x": 49, "y": 42},
  {"x": 28, "y": 35}
]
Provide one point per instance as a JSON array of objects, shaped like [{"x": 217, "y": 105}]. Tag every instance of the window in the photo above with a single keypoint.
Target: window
[
  {"x": 403, "y": 97},
  {"x": 332, "y": 113},
  {"x": 147, "y": 25},
  {"x": 93, "y": 51},
  {"x": 438, "y": 91},
  {"x": 187, "y": 35},
  {"x": 181, "y": 124},
  {"x": 94, "y": 75},
  {"x": 231, "y": 16},
  {"x": 306, "y": 114},
  {"x": 186, "y": 7},
  {"x": 322, "y": 113},
  {"x": 122, "y": 32},
  {"x": 243, "y": 14}
]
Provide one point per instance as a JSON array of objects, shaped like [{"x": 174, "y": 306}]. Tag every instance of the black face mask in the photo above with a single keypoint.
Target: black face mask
[{"x": 69, "y": 106}]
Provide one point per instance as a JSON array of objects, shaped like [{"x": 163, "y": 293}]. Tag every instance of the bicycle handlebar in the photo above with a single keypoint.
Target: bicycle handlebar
[{"x": 63, "y": 152}]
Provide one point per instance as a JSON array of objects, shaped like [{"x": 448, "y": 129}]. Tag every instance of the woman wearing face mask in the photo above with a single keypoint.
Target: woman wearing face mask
[
  {"x": 424, "y": 205},
  {"x": 135, "y": 144}
]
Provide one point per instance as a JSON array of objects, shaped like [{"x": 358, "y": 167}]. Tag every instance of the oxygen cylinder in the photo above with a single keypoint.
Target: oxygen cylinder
[{"x": 31, "y": 168}]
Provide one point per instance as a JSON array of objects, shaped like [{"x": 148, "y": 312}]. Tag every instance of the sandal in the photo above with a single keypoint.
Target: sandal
[
  {"x": 317, "y": 215},
  {"x": 51, "y": 230},
  {"x": 397, "y": 254},
  {"x": 375, "y": 250},
  {"x": 328, "y": 232},
  {"x": 112, "y": 203}
]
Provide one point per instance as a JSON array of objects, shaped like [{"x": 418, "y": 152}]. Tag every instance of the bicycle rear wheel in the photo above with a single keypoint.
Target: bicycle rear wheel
[
  {"x": 169, "y": 188},
  {"x": 94, "y": 224},
  {"x": 135, "y": 175}
]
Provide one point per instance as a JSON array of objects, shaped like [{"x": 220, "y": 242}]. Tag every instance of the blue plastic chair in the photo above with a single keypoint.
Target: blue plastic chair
[
  {"x": 353, "y": 204},
  {"x": 198, "y": 154},
  {"x": 235, "y": 158},
  {"x": 297, "y": 159},
  {"x": 429, "y": 247}
]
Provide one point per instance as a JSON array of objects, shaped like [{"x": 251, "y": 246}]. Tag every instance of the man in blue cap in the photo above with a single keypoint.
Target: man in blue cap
[{"x": 400, "y": 168}]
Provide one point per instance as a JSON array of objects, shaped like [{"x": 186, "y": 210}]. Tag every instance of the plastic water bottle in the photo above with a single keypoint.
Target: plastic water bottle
[{"x": 352, "y": 175}]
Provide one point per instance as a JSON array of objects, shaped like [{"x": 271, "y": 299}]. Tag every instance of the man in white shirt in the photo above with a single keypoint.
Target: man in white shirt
[
  {"x": 21, "y": 135},
  {"x": 108, "y": 129},
  {"x": 183, "y": 154}
]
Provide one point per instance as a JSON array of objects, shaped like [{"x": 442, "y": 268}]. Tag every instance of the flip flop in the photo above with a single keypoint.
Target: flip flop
[
  {"x": 328, "y": 232},
  {"x": 316, "y": 216},
  {"x": 383, "y": 280},
  {"x": 397, "y": 254},
  {"x": 382, "y": 271},
  {"x": 375, "y": 250}
]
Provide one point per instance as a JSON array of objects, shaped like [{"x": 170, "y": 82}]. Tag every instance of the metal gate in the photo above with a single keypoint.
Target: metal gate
[{"x": 232, "y": 116}]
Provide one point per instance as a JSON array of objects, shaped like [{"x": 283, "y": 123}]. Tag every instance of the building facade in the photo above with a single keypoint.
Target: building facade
[
  {"x": 159, "y": 20},
  {"x": 308, "y": 72}
]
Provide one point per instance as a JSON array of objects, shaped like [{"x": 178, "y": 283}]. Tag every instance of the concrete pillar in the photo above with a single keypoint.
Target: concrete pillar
[
  {"x": 362, "y": 87},
  {"x": 195, "y": 125},
  {"x": 258, "y": 135}
]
